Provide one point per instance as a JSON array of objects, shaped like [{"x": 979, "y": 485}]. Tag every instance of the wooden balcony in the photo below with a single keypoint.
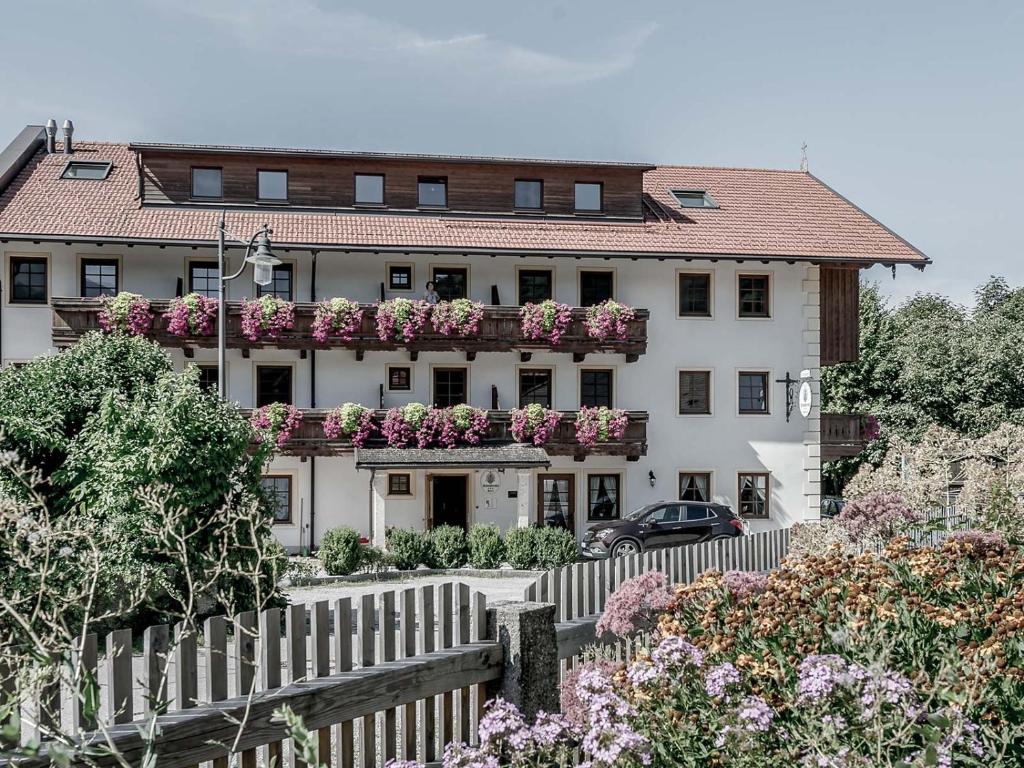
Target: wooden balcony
[
  {"x": 309, "y": 439},
  {"x": 500, "y": 331},
  {"x": 843, "y": 435}
]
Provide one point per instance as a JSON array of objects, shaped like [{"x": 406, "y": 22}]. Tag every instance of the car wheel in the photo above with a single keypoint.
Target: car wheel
[
  {"x": 723, "y": 537},
  {"x": 626, "y": 548}
]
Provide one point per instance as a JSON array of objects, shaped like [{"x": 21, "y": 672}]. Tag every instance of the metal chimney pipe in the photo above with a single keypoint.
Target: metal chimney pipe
[
  {"x": 51, "y": 136},
  {"x": 69, "y": 128}
]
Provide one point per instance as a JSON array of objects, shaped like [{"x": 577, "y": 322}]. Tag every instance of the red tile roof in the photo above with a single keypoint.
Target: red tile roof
[{"x": 762, "y": 213}]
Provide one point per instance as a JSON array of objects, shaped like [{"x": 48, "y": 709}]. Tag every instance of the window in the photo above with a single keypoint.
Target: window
[
  {"x": 695, "y": 513},
  {"x": 690, "y": 198},
  {"x": 451, "y": 282},
  {"x": 273, "y": 185},
  {"x": 603, "y": 497},
  {"x": 535, "y": 286},
  {"x": 534, "y": 387},
  {"x": 279, "y": 492},
  {"x": 588, "y": 197},
  {"x": 400, "y": 277},
  {"x": 399, "y": 378},
  {"x": 529, "y": 194},
  {"x": 694, "y": 392},
  {"x": 202, "y": 278},
  {"x": 208, "y": 378},
  {"x": 596, "y": 388},
  {"x": 753, "y": 391},
  {"x": 92, "y": 171},
  {"x": 695, "y": 486},
  {"x": 694, "y": 295},
  {"x": 207, "y": 183},
  {"x": 273, "y": 384},
  {"x": 99, "y": 277},
  {"x": 670, "y": 513},
  {"x": 596, "y": 286},
  {"x": 433, "y": 192},
  {"x": 753, "y": 296},
  {"x": 753, "y": 494},
  {"x": 369, "y": 189},
  {"x": 449, "y": 387},
  {"x": 28, "y": 280},
  {"x": 280, "y": 283},
  {"x": 399, "y": 485}
]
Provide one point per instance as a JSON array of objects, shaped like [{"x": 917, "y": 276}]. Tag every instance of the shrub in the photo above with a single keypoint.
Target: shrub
[
  {"x": 486, "y": 549},
  {"x": 555, "y": 547},
  {"x": 340, "y": 551},
  {"x": 521, "y": 548},
  {"x": 819, "y": 538},
  {"x": 877, "y": 517},
  {"x": 375, "y": 560},
  {"x": 408, "y": 548},
  {"x": 448, "y": 547},
  {"x": 634, "y": 604}
]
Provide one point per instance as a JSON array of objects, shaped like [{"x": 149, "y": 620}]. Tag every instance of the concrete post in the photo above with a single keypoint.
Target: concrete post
[
  {"x": 526, "y": 632},
  {"x": 523, "y": 497},
  {"x": 378, "y": 489}
]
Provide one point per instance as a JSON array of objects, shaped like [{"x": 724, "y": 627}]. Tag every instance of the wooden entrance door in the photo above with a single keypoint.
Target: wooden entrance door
[
  {"x": 449, "y": 500},
  {"x": 556, "y": 501}
]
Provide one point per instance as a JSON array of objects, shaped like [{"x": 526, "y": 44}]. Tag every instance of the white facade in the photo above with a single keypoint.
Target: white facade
[{"x": 724, "y": 443}]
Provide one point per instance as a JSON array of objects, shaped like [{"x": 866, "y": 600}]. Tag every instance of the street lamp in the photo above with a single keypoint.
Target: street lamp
[{"x": 263, "y": 262}]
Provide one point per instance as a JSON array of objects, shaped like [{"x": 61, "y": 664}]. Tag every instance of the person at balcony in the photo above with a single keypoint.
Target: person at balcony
[{"x": 430, "y": 295}]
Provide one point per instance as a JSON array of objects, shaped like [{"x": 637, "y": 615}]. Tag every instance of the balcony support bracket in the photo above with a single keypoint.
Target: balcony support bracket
[
  {"x": 470, "y": 355},
  {"x": 414, "y": 355},
  {"x": 525, "y": 357},
  {"x": 190, "y": 352},
  {"x": 579, "y": 457},
  {"x": 579, "y": 357},
  {"x": 302, "y": 354},
  {"x": 632, "y": 357},
  {"x": 245, "y": 352},
  {"x": 360, "y": 353}
]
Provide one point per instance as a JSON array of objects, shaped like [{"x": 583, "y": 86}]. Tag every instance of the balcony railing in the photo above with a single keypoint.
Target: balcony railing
[
  {"x": 844, "y": 435},
  {"x": 309, "y": 438},
  {"x": 500, "y": 331}
]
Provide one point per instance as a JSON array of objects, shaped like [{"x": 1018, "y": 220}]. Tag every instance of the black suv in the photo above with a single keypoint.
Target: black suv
[{"x": 663, "y": 524}]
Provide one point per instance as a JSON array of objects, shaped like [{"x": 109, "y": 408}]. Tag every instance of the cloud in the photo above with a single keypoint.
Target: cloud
[{"x": 302, "y": 28}]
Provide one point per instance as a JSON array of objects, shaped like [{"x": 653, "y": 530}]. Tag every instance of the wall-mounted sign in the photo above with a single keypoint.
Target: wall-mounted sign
[
  {"x": 490, "y": 480},
  {"x": 806, "y": 397}
]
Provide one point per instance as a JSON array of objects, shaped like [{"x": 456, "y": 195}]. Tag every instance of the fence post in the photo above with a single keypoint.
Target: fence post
[{"x": 526, "y": 632}]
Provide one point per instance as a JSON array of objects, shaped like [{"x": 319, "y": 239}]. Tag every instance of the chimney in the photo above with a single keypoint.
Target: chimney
[
  {"x": 51, "y": 136},
  {"x": 69, "y": 128}
]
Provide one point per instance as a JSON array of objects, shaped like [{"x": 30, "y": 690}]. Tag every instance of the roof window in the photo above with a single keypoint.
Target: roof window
[
  {"x": 694, "y": 198},
  {"x": 80, "y": 170}
]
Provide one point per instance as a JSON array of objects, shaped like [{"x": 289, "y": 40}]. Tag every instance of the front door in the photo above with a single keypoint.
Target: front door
[
  {"x": 448, "y": 500},
  {"x": 556, "y": 501}
]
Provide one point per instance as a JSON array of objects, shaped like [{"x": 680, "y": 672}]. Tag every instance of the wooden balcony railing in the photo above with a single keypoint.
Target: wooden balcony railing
[
  {"x": 500, "y": 331},
  {"x": 309, "y": 438},
  {"x": 843, "y": 435}
]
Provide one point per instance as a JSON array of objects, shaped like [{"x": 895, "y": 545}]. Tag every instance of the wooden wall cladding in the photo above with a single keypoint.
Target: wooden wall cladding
[
  {"x": 840, "y": 314},
  {"x": 330, "y": 182}
]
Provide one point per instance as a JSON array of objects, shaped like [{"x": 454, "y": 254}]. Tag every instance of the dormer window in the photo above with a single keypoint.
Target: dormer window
[
  {"x": 79, "y": 170},
  {"x": 273, "y": 186},
  {"x": 694, "y": 198},
  {"x": 589, "y": 197},
  {"x": 529, "y": 195},
  {"x": 369, "y": 189},
  {"x": 433, "y": 192},
  {"x": 207, "y": 183}
]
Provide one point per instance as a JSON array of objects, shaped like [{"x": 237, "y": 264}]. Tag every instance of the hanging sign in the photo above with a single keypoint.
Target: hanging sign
[{"x": 805, "y": 399}]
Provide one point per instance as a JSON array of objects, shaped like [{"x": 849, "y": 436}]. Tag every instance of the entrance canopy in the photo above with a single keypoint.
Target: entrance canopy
[{"x": 516, "y": 456}]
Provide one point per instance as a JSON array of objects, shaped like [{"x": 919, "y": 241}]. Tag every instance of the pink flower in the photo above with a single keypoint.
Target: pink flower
[
  {"x": 877, "y": 516},
  {"x": 547, "y": 320},
  {"x": 428, "y": 427},
  {"x": 599, "y": 425},
  {"x": 460, "y": 317},
  {"x": 609, "y": 320},
  {"x": 350, "y": 420},
  {"x": 192, "y": 315},
  {"x": 277, "y": 422},
  {"x": 126, "y": 312},
  {"x": 634, "y": 604},
  {"x": 401, "y": 319},
  {"x": 534, "y": 423},
  {"x": 266, "y": 316},
  {"x": 339, "y": 318}
]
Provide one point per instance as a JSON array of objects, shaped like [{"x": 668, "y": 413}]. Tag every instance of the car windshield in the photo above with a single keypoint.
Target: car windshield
[{"x": 638, "y": 514}]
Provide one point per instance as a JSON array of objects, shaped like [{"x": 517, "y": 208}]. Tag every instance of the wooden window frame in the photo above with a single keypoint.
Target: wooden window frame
[
  {"x": 769, "y": 299},
  {"x": 272, "y": 200},
  {"x": 408, "y": 493},
  {"x": 387, "y": 377},
  {"x": 710, "y": 473},
  {"x": 767, "y": 391},
  {"x": 588, "y": 211},
  {"x": 192, "y": 183},
  {"x": 189, "y": 286},
  {"x": 767, "y": 493},
  {"x": 11, "y": 260},
  {"x": 710, "y": 275},
  {"x": 291, "y": 496},
  {"x": 388, "y": 266},
  {"x": 528, "y": 268},
  {"x": 618, "y": 494},
  {"x": 431, "y": 268},
  {"x": 579, "y": 282},
  {"x": 256, "y": 379},
  {"x": 293, "y": 267},
  {"x": 710, "y": 374},
  {"x": 383, "y": 190},
  {"x": 515, "y": 207},
  {"x": 432, "y": 180},
  {"x": 84, "y": 260},
  {"x": 579, "y": 383},
  {"x": 446, "y": 367},
  {"x": 520, "y": 369}
]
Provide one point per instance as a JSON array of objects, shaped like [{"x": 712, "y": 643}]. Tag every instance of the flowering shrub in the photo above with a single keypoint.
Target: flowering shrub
[
  {"x": 745, "y": 583},
  {"x": 547, "y": 320},
  {"x": 266, "y": 316},
  {"x": 870, "y": 427},
  {"x": 599, "y": 425},
  {"x": 609, "y": 320},
  {"x": 534, "y": 424},
  {"x": 634, "y": 604},
  {"x": 428, "y": 427},
  {"x": 460, "y": 317},
  {"x": 352, "y": 421},
  {"x": 337, "y": 317},
  {"x": 276, "y": 422},
  {"x": 877, "y": 517},
  {"x": 126, "y": 312},
  {"x": 192, "y": 315},
  {"x": 401, "y": 319}
]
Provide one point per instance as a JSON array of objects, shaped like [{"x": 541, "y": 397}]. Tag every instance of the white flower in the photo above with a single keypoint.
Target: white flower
[
  {"x": 8, "y": 457},
  {"x": 65, "y": 551}
]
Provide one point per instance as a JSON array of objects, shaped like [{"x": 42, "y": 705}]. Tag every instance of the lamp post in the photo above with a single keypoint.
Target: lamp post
[{"x": 263, "y": 262}]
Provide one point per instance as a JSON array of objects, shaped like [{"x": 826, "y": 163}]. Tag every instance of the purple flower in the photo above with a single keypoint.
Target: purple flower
[
  {"x": 192, "y": 315},
  {"x": 608, "y": 320},
  {"x": 126, "y": 312},
  {"x": 634, "y": 604},
  {"x": 340, "y": 318},
  {"x": 742, "y": 584},
  {"x": 673, "y": 652},
  {"x": 547, "y": 320},
  {"x": 401, "y": 319},
  {"x": 819, "y": 675},
  {"x": 266, "y": 316},
  {"x": 503, "y": 724},
  {"x": 534, "y": 423},
  {"x": 460, "y": 317},
  {"x": 718, "y": 679},
  {"x": 599, "y": 425},
  {"x": 755, "y": 713}
]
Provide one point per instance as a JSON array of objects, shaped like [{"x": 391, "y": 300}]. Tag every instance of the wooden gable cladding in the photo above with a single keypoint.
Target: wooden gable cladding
[
  {"x": 840, "y": 314},
  {"x": 329, "y": 182}
]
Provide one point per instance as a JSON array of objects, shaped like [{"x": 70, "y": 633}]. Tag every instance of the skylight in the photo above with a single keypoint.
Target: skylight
[
  {"x": 80, "y": 170},
  {"x": 694, "y": 198}
]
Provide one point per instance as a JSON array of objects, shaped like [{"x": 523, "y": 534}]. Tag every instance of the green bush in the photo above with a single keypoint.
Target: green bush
[
  {"x": 448, "y": 547},
  {"x": 374, "y": 560},
  {"x": 555, "y": 547},
  {"x": 340, "y": 551},
  {"x": 486, "y": 549},
  {"x": 408, "y": 548},
  {"x": 521, "y": 548}
]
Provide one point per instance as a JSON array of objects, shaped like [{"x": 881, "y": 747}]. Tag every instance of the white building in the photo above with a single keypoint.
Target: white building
[{"x": 748, "y": 279}]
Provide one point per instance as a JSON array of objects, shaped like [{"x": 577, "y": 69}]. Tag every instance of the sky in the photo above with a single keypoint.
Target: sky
[{"x": 912, "y": 109}]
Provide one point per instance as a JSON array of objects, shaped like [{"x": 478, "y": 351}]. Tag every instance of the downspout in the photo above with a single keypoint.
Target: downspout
[{"x": 312, "y": 404}]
